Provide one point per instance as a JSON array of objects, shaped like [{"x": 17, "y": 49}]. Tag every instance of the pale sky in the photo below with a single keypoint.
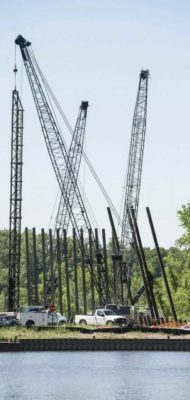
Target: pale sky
[{"x": 94, "y": 50}]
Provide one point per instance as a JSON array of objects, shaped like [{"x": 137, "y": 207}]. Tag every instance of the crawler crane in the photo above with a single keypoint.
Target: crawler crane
[
  {"x": 134, "y": 172},
  {"x": 61, "y": 163}
]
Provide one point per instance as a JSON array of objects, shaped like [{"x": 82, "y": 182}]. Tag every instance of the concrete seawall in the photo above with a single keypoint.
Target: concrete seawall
[{"x": 97, "y": 345}]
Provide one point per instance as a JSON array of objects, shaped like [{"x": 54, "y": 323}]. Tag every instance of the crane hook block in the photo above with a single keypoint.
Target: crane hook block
[{"x": 22, "y": 42}]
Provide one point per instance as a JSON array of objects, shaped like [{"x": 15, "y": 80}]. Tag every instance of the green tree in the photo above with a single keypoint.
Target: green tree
[{"x": 184, "y": 218}]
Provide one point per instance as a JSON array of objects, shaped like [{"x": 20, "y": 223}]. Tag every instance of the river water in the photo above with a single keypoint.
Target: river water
[{"x": 95, "y": 375}]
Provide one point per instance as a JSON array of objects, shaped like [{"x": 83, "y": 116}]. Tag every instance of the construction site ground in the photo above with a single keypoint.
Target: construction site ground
[{"x": 17, "y": 333}]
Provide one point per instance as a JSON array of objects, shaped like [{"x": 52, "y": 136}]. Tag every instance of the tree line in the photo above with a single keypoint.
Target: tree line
[{"x": 176, "y": 260}]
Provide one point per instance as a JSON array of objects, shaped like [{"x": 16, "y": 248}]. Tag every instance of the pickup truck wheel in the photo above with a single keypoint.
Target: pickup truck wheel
[
  {"x": 109, "y": 323},
  {"x": 61, "y": 323},
  {"x": 83, "y": 322},
  {"x": 29, "y": 324}
]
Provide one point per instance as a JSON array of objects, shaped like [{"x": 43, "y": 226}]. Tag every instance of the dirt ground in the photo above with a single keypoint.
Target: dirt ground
[{"x": 128, "y": 335}]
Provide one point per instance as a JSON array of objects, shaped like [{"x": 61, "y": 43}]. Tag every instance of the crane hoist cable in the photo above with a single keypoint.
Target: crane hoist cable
[
  {"x": 74, "y": 155},
  {"x": 60, "y": 162},
  {"x": 90, "y": 166},
  {"x": 52, "y": 99},
  {"x": 53, "y": 210}
]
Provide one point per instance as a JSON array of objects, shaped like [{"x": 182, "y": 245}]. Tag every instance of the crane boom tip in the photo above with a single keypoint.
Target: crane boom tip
[{"x": 22, "y": 42}]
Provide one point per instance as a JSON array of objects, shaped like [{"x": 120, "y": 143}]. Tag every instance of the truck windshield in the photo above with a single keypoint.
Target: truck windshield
[
  {"x": 32, "y": 309},
  {"x": 109, "y": 312}
]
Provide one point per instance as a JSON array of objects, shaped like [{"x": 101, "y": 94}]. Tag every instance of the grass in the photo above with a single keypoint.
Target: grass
[{"x": 10, "y": 333}]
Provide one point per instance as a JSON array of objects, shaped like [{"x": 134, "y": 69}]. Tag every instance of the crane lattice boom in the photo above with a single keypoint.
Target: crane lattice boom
[
  {"x": 15, "y": 202},
  {"x": 75, "y": 153},
  {"x": 60, "y": 160},
  {"x": 135, "y": 161}
]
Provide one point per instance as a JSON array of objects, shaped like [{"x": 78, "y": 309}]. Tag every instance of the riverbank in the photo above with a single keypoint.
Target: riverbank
[
  {"x": 73, "y": 332},
  {"x": 97, "y": 344},
  {"x": 68, "y": 339}
]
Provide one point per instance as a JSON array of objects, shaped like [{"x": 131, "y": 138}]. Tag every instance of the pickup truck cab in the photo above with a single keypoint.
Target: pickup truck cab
[{"x": 101, "y": 316}]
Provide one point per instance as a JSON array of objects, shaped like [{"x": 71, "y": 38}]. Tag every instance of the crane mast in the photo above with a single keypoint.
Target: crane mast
[
  {"x": 15, "y": 202},
  {"x": 135, "y": 161},
  {"x": 61, "y": 162},
  {"x": 75, "y": 154}
]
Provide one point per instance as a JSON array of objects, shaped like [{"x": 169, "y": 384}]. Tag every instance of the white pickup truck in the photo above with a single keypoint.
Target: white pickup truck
[
  {"x": 101, "y": 316},
  {"x": 37, "y": 316}
]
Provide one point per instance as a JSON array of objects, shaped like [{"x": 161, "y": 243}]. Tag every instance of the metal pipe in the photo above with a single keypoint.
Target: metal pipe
[
  {"x": 59, "y": 271},
  {"x": 75, "y": 271},
  {"x": 67, "y": 273},
  {"x": 161, "y": 264},
  {"x": 44, "y": 267},
  {"x": 147, "y": 272},
  {"x": 145, "y": 281},
  {"x": 83, "y": 272}
]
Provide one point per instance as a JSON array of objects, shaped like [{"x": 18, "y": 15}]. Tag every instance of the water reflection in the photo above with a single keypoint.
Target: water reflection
[{"x": 94, "y": 375}]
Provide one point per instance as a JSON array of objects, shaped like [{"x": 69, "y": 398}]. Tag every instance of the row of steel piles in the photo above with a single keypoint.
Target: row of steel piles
[
  {"x": 49, "y": 253},
  {"x": 146, "y": 275}
]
